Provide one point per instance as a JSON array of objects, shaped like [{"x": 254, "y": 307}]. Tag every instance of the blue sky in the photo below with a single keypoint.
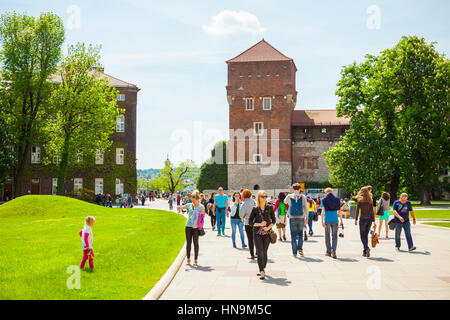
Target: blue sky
[{"x": 175, "y": 51}]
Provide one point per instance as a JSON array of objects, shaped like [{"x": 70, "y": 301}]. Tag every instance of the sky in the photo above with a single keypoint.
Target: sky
[{"x": 175, "y": 52}]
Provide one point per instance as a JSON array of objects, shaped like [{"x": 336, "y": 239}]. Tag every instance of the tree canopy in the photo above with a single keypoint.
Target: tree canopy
[
  {"x": 214, "y": 171},
  {"x": 397, "y": 103}
]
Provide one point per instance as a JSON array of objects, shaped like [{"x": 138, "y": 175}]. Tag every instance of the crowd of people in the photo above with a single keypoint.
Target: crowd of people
[{"x": 255, "y": 216}]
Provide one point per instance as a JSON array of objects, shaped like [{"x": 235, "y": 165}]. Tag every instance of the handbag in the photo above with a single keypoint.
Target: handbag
[
  {"x": 201, "y": 232},
  {"x": 380, "y": 211},
  {"x": 316, "y": 216},
  {"x": 273, "y": 236},
  {"x": 374, "y": 239}
]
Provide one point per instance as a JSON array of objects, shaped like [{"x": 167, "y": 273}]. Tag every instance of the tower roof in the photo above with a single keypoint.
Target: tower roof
[{"x": 261, "y": 51}]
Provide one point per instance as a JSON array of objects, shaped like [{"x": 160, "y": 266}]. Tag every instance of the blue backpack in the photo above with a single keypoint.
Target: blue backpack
[
  {"x": 296, "y": 207},
  {"x": 331, "y": 203}
]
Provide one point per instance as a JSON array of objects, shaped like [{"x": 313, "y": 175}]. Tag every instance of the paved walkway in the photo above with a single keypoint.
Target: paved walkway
[{"x": 226, "y": 273}]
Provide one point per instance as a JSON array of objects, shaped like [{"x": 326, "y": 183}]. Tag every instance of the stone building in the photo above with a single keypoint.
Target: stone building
[
  {"x": 113, "y": 172},
  {"x": 271, "y": 144}
]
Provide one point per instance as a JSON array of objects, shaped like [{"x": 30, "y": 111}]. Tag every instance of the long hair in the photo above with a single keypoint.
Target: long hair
[
  {"x": 258, "y": 198},
  {"x": 364, "y": 195}
]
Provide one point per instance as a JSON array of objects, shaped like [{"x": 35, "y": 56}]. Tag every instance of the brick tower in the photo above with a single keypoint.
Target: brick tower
[{"x": 261, "y": 95}]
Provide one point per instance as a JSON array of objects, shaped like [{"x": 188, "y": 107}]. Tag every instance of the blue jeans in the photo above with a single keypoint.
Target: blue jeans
[
  {"x": 237, "y": 223},
  {"x": 331, "y": 227},
  {"x": 310, "y": 220},
  {"x": 296, "y": 225},
  {"x": 220, "y": 216},
  {"x": 398, "y": 230}
]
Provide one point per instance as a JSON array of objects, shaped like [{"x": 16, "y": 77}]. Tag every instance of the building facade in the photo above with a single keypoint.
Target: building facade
[
  {"x": 271, "y": 144},
  {"x": 112, "y": 172}
]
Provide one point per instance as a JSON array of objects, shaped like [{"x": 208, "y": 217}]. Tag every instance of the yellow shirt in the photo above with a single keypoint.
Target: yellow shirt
[{"x": 311, "y": 206}]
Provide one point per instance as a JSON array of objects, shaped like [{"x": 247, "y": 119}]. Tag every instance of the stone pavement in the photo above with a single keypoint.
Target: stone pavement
[{"x": 226, "y": 273}]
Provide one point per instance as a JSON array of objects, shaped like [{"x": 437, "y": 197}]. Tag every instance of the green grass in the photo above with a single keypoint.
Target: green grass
[
  {"x": 40, "y": 241},
  {"x": 439, "y": 224},
  {"x": 432, "y": 214}
]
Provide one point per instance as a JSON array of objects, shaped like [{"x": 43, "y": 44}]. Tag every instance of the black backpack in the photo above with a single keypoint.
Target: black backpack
[{"x": 331, "y": 203}]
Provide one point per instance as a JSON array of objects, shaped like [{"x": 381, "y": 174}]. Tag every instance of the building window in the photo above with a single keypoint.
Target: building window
[
  {"x": 258, "y": 128},
  {"x": 267, "y": 103},
  {"x": 98, "y": 185},
  {"x": 99, "y": 157},
  {"x": 249, "y": 103},
  {"x": 257, "y": 158},
  {"x": 35, "y": 154},
  {"x": 324, "y": 130},
  {"x": 119, "y": 187},
  {"x": 54, "y": 186},
  {"x": 306, "y": 130},
  {"x": 121, "y": 97},
  {"x": 120, "y": 123},
  {"x": 77, "y": 185},
  {"x": 120, "y": 155}
]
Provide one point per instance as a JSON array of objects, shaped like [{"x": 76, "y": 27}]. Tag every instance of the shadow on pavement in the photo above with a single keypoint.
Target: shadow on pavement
[
  {"x": 200, "y": 268},
  {"x": 380, "y": 259},
  {"x": 284, "y": 282},
  {"x": 426, "y": 253},
  {"x": 347, "y": 259},
  {"x": 308, "y": 259}
]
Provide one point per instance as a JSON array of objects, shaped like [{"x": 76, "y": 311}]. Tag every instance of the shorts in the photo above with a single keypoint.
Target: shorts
[
  {"x": 281, "y": 225},
  {"x": 386, "y": 215}
]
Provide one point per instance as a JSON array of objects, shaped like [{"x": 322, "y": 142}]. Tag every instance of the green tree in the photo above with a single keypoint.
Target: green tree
[
  {"x": 214, "y": 172},
  {"x": 7, "y": 159},
  {"x": 83, "y": 110},
  {"x": 30, "y": 53},
  {"x": 398, "y": 106},
  {"x": 172, "y": 175}
]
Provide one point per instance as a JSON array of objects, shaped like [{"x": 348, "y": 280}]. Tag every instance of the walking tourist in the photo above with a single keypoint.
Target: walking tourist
[
  {"x": 365, "y": 206},
  {"x": 262, "y": 220},
  {"x": 245, "y": 212},
  {"x": 384, "y": 207},
  {"x": 170, "y": 202},
  {"x": 330, "y": 207},
  {"x": 194, "y": 210},
  {"x": 211, "y": 212},
  {"x": 402, "y": 208},
  {"x": 311, "y": 212},
  {"x": 220, "y": 208},
  {"x": 298, "y": 217},
  {"x": 281, "y": 212},
  {"x": 143, "y": 200},
  {"x": 236, "y": 221}
]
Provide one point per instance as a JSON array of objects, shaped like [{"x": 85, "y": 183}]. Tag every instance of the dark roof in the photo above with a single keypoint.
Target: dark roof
[
  {"x": 317, "y": 117},
  {"x": 261, "y": 51}
]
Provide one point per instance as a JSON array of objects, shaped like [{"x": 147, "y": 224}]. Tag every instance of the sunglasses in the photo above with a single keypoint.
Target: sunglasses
[{"x": 263, "y": 197}]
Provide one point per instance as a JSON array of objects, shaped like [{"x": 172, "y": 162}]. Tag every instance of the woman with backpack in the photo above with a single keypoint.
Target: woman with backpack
[
  {"x": 262, "y": 220},
  {"x": 281, "y": 210},
  {"x": 194, "y": 223},
  {"x": 384, "y": 209}
]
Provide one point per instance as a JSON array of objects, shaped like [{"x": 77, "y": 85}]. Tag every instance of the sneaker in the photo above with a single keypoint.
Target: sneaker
[
  {"x": 223, "y": 234},
  {"x": 284, "y": 238},
  {"x": 244, "y": 246},
  {"x": 312, "y": 233},
  {"x": 234, "y": 246},
  {"x": 364, "y": 254},
  {"x": 333, "y": 255},
  {"x": 218, "y": 234},
  {"x": 300, "y": 252},
  {"x": 327, "y": 254},
  {"x": 412, "y": 249},
  {"x": 295, "y": 255}
]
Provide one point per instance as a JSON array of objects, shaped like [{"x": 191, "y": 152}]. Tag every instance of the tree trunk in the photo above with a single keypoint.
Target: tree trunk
[
  {"x": 395, "y": 181},
  {"x": 22, "y": 154},
  {"x": 424, "y": 195},
  {"x": 62, "y": 168}
]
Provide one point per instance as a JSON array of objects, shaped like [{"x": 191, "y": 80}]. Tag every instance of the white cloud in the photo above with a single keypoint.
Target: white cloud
[{"x": 227, "y": 22}]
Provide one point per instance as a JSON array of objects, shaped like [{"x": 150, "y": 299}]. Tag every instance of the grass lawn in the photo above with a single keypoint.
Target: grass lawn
[
  {"x": 432, "y": 214},
  {"x": 439, "y": 224},
  {"x": 40, "y": 241}
]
